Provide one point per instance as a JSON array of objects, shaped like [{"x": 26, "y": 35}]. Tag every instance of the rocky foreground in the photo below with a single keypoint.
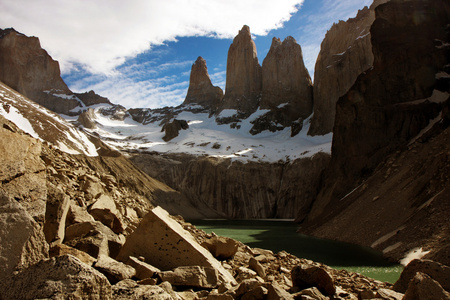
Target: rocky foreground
[{"x": 76, "y": 228}]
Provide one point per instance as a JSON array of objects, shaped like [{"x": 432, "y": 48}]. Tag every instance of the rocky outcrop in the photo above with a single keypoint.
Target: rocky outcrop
[
  {"x": 345, "y": 53},
  {"x": 201, "y": 91},
  {"x": 240, "y": 190},
  {"x": 61, "y": 277},
  {"x": 172, "y": 129},
  {"x": 389, "y": 126},
  {"x": 286, "y": 81},
  {"x": 28, "y": 69},
  {"x": 243, "y": 80},
  {"x": 91, "y": 98}
]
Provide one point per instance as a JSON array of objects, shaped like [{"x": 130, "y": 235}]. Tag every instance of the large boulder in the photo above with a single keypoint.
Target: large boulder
[
  {"x": 105, "y": 210},
  {"x": 221, "y": 247},
  {"x": 435, "y": 270},
  {"x": 164, "y": 243},
  {"x": 21, "y": 238},
  {"x": 423, "y": 286},
  {"x": 192, "y": 276},
  {"x": 62, "y": 277},
  {"x": 93, "y": 238},
  {"x": 201, "y": 91},
  {"x": 243, "y": 80},
  {"x": 57, "y": 208},
  {"x": 308, "y": 276},
  {"x": 114, "y": 270},
  {"x": 130, "y": 290},
  {"x": 143, "y": 269}
]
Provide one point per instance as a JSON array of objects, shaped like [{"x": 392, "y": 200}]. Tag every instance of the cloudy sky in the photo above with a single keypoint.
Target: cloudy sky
[{"x": 139, "y": 53}]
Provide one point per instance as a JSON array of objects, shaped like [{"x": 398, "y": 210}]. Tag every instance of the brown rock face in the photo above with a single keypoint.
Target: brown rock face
[
  {"x": 378, "y": 138},
  {"x": 201, "y": 91},
  {"x": 345, "y": 53},
  {"x": 240, "y": 190},
  {"x": 286, "y": 80},
  {"x": 243, "y": 82},
  {"x": 28, "y": 69}
]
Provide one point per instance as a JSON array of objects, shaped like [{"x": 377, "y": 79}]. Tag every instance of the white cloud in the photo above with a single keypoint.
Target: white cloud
[{"x": 102, "y": 34}]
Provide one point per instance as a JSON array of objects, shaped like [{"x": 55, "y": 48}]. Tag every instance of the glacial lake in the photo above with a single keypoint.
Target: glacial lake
[{"x": 277, "y": 235}]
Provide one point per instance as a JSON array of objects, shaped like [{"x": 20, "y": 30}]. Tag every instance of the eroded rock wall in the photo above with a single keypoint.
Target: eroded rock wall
[
  {"x": 240, "y": 190},
  {"x": 382, "y": 137},
  {"x": 28, "y": 69},
  {"x": 345, "y": 53}
]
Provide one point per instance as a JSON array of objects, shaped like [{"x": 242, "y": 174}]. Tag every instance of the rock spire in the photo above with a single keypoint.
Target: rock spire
[
  {"x": 201, "y": 91},
  {"x": 243, "y": 80},
  {"x": 285, "y": 80}
]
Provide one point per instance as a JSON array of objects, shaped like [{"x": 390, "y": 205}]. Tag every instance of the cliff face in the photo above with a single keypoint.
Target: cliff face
[
  {"x": 345, "y": 53},
  {"x": 28, "y": 69},
  {"x": 388, "y": 108},
  {"x": 243, "y": 80},
  {"x": 240, "y": 190},
  {"x": 201, "y": 91}
]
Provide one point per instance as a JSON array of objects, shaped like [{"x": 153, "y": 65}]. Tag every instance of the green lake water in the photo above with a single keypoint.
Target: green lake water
[{"x": 281, "y": 235}]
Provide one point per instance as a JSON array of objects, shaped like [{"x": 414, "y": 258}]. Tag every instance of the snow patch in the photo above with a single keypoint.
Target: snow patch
[
  {"x": 17, "y": 118},
  {"x": 416, "y": 253}
]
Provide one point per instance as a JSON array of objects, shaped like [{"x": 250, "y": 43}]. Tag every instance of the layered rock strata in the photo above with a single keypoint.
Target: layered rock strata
[
  {"x": 345, "y": 53},
  {"x": 391, "y": 124},
  {"x": 28, "y": 69},
  {"x": 201, "y": 91},
  {"x": 243, "y": 80}
]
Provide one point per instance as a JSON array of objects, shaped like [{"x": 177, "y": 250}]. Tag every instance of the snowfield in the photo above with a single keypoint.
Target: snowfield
[{"x": 205, "y": 137}]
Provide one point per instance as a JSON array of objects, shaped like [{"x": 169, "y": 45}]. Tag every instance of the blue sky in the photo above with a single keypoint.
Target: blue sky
[{"x": 139, "y": 53}]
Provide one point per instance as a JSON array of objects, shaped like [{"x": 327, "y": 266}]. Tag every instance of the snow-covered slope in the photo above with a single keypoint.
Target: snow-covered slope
[
  {"x": 43, "y": 124},
  {"x": 206, "y": 137}
]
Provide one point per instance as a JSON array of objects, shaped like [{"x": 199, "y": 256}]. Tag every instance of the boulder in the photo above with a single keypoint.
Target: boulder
[
  {"x": 423, "y": 286},
  {"x": 201, "y": 91},
  {"x": 243, "y": 80},
  {"x": 62, "y": 277},
  {"x": 276, "y": 292},
  {"x": 257, "y": 267},
  {"x": 221, "y": 247},
  {"x": 244, "y": 273},
  {"x": 57, "y": 207},
  {"x": 314, "y": 294},
  {"x": 129, "y": 290},
  {"x": 143, "y": 270},
  {"x": 307, "y": 276},
  {"x": 93, "y": 238},
  {"x": 21, "y": 238},
  {"x": 115, "y": 271},
  {"x": 437, "y": 271},
  {"x": 192, "y": 276},
  {"x": 258, "y": 292},
  {"x": 61, "y": 249},
  {"x": 87, "y": 119},
  {"x": 92, "y": 188},
  {"x": 78, "y": 214},
  {"x": 388, "y": 294},
  {"x": 105, "y": 210},
  {"x": 166, "y": 286},
  {"x": 164, "y": 243}
]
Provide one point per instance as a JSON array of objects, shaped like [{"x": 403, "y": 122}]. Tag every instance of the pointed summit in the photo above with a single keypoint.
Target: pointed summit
[
  {"x": 243, "y": 83},
  {"x": 201, "y": 91},
  {"x": 285, "y": 79}
]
